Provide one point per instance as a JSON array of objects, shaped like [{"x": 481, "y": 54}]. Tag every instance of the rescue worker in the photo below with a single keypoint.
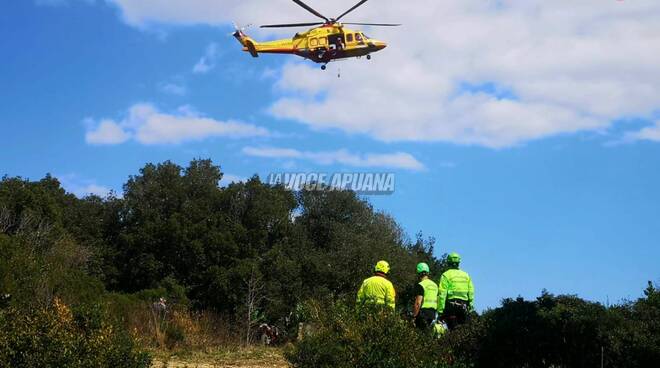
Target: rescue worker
[
  {"x": 377, "y": 289},
  {"x": 456, "y": 294},
  {"x": 426, "y": 298}
]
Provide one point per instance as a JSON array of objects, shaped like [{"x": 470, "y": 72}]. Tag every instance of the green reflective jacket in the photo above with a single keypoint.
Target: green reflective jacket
[
  {"x": 455, "y": 284},
  {"x": 377, "y": 290},
  {"x": 430, "y": 294}
]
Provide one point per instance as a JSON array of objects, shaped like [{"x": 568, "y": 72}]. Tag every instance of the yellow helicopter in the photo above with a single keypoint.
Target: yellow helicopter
[{"x": 330, "y": 41}]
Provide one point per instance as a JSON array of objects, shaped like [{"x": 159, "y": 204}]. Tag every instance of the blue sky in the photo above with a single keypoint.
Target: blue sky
[{"x": 542, "y": 174}]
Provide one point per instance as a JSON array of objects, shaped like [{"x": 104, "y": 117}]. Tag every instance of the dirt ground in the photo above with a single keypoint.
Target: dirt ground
[{"x": 238, "y": 358}]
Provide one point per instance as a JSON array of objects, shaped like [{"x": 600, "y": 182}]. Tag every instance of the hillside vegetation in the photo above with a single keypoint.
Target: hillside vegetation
[{"x": 79, "y": 278}]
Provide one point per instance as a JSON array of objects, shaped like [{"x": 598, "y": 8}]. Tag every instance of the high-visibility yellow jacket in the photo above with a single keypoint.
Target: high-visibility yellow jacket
[
  {"x": 377, "y": 290},
  {"x": 430, "y": 300},
  {"x": 455, "y": 284}
]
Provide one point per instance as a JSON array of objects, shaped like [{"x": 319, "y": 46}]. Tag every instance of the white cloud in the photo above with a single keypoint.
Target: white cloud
[
  {"x": 398, "y": 160},
  {"x": 98, "y": 190},
  {"x": 650, "y": 133},
  {"x": 207, "y": 62},
  {"x": 80, "y": 187},
  {"x": 230, "y": 178},
  {"x": 173, "y": 89},
  {"x": 105, "y": 132},
  {"x": 571, "y": 66},
  {"x": 142, "y": 13},
  {"x": 146, "y": 125},
  {"x": 272, "y": 152}
]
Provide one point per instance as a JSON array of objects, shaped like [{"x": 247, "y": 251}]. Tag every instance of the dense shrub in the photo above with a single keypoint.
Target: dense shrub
[
  {"x": 551, "y": 331},
  {"x": 346, "y": 336},
  {"x": 566, "y": 331},
  {"x": 58, "y": 336}
]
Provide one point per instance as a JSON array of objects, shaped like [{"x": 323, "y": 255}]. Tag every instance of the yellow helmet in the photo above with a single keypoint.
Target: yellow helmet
[{"x": 382, "y": 266}]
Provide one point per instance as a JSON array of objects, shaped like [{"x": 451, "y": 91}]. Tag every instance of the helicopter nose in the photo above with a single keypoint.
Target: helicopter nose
[{"x": 380, "y": 45}]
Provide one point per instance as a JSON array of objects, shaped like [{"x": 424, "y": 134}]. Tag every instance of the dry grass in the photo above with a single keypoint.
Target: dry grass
[
  {"x": 184, "y": 338},
  {"x": 254, "y": 357},
  {"x": 180, "y": 329}
]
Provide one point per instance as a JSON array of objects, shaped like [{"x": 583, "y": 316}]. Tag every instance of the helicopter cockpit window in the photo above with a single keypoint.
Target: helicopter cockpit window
[
  {"x": 349, "y": 37},
  {"x": 358, "y": 37}
]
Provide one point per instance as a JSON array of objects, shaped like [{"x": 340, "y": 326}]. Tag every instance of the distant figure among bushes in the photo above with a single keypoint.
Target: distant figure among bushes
[
  {"x": 269, "y": 335},
  {"x": 456, "y": 294},
  {"x": 159, "y": 309}
]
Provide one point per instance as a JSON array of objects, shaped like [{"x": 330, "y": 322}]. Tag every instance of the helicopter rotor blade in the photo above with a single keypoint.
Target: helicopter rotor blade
[
  {"x": 351, "y": 9},
  {"x": 311, "y": 10},
  {"x": 292, "y": 25},
  {"x": 374, "y": 24}
]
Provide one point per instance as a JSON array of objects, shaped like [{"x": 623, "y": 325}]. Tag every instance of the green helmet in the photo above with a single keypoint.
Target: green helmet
[
  {"x": 382, "y": 266},
  {"x": 454, "y": 258},
  {"x": 423, "y": 267}
]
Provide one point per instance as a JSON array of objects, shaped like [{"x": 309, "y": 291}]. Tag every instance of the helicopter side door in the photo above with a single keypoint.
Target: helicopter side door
[
  {"x": 336, "y": 41},
  {"x": 318, "y": 47}
]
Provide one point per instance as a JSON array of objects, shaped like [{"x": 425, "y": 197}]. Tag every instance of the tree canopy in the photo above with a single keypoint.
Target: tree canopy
[{"x": 176, "y": 225}]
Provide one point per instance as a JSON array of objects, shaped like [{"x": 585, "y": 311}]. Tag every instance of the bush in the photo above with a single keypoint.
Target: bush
[
  {"x": 61, "y": 337},
  {"x": 551, "y": 331},
  {"x": 346, "y": 336},
  {"x": 566, "y": 331}
]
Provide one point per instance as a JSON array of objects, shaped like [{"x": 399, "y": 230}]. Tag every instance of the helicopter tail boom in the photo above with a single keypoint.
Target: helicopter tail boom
[
  {"x": 247, "y": 42},
  {"x": 284, "y": 46}
]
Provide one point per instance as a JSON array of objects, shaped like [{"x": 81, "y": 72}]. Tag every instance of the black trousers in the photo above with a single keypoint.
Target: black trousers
[
  {"x": 455, "y": 313},
  {"x": 425, "y": 318}
]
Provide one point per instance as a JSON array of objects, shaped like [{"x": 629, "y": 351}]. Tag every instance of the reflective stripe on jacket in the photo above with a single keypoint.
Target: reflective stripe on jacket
[
  {"x": 455, "y": 284},
  {"x": 430, "y": 294}
]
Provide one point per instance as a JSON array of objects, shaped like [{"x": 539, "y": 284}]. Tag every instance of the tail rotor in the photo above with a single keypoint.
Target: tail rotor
[
  {"x": 239, "y": 30},
  {"x": 246, "y": 41}
]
